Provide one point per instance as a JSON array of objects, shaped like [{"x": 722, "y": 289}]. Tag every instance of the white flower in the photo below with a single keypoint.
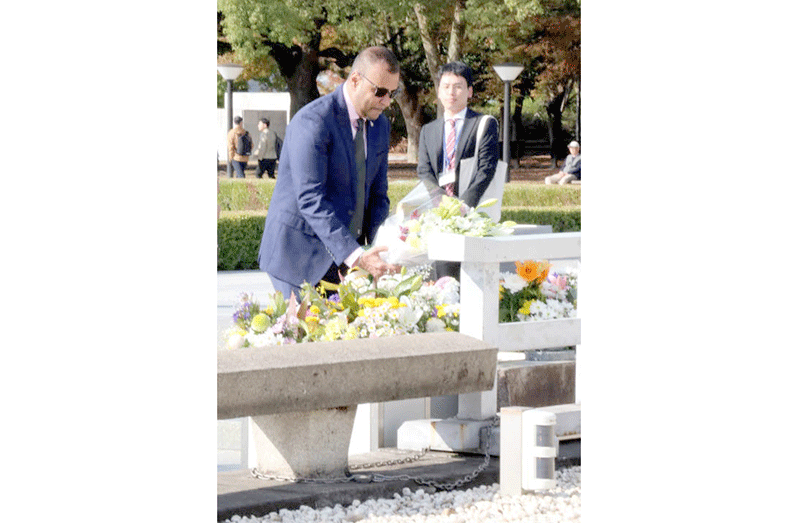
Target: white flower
[
  {"x": 513, "y": 282},
  {"x": 235, "y": 341},
  {"x": 435, "y": 325},
  {"x": 267, "y": 339}
]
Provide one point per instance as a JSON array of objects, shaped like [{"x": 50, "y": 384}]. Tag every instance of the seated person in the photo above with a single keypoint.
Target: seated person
[{"x": 571, "y": 170}]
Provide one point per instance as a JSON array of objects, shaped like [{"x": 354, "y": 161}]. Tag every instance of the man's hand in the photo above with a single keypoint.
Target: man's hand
[{"x": 371, "y": 262}]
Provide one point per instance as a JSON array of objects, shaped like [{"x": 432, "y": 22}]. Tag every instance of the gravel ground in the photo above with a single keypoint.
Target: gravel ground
[{"x": 480, "y": 505}]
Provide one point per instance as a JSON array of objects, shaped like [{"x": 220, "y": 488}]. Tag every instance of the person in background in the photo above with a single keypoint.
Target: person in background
[
  {"x": 571, "y": 169},
  {"x": 239, "y": 161},
  {"x": 268, "y": 149},
  {"x": 332, "y": 192},
  {"x": 444, "y": 141}
]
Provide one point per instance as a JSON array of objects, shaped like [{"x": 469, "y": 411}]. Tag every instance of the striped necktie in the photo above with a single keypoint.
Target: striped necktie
[{"x": 451, "y": 139}]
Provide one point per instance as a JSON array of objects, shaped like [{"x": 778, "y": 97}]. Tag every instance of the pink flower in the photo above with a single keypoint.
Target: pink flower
[
  {"x": 561, "y": 282},
  {"x": 443, "y": 281}
]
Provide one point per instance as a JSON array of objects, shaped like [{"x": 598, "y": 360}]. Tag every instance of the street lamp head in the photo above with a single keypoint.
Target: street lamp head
[
  {"x": 508, "y": 71},
  {"x": 229, "y": 71}
]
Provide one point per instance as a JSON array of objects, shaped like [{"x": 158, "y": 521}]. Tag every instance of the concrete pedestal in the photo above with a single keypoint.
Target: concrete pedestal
[{"x": 304, "y": 444}]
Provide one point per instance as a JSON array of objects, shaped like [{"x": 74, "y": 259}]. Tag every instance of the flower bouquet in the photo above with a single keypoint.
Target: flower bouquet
[
  {"x": 533, "y": 293},
  {"x": 398, "y": 304},
  {"x": 427, "y": 209}
]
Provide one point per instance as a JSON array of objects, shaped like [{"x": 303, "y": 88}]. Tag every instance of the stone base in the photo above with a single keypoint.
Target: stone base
[
  {"x": 456, "y": 435},
  {"x": 313, "y": 444},
  {"x": 451, "y": 435},
  {"x": 536, "y": 383}
]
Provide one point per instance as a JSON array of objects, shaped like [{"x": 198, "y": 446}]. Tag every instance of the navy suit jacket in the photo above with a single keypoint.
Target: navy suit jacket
[
  {"x": 430, "y": 154},
  {"x": 307, "y": 225}
]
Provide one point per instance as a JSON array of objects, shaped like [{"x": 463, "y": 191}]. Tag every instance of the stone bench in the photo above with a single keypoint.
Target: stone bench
[{"x": 302, "y": 398}]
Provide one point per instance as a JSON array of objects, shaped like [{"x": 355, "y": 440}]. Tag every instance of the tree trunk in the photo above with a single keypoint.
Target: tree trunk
[
  {"x": 517, "y": 131},
  {"x": 299, "y": 65},
  {"x": 554, "y": 111},
  {"x": 413, "y": 115},
  {"x": 457, "y": 32},
  {"x": 578, "y": 130},
  {"x": 430, "y": 48}
]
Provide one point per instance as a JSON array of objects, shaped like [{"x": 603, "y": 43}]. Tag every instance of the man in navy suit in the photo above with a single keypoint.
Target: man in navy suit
[
  {"x": 319, "y": 217},
  {"x": 438, "y": 137}
]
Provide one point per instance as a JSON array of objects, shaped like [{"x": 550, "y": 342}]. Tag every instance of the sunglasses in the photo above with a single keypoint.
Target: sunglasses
[{"x": 379, "y": 92}]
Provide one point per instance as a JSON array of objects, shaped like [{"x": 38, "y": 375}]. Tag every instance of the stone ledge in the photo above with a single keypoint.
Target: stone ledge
[{"x": 315, "y": 376}]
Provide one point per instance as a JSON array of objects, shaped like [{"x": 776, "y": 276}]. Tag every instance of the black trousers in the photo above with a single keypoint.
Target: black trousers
[{"x": 265, "y": 166}]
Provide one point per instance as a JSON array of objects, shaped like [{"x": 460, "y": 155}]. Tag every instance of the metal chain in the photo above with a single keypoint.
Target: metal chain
[
  {"x": 390, "y": 463},
  {"x": 380, "y": 478}
]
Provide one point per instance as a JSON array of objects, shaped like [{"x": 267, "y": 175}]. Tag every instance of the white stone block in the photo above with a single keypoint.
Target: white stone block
[{"x": 450, "y": 435}]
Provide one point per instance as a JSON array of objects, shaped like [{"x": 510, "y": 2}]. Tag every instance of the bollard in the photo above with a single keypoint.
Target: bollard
[{"x": 539, "y": 448}]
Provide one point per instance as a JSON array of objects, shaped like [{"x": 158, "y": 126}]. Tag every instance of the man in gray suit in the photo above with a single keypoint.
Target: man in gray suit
[
  {"x": 444, "y": 141},
  {"x": 332, "y": 192}
]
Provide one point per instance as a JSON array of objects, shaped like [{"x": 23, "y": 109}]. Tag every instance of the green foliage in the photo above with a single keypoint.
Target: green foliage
[
  {"x": 534, "y": 195},
  {"x": 561, "y": 220},
  {"x": 239, "y": 230},
  {"x": 255, "y": 195},
  {"x": 245, "y": 195},
  {"x": 238, "y": 240}
]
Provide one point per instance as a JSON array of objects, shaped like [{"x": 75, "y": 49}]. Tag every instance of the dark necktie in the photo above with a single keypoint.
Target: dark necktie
[{"x": 356, "y": 224}]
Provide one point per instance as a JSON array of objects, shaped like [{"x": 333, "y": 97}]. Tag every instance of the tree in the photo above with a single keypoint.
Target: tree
[
  {"x": 554, "y": 48},
  {"x": 297, "y": 38}
]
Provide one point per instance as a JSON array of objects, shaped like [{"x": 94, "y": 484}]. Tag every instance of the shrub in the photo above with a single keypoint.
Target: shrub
[
  {"x": 239, "y": 235},
  {"x": 238, "y": 240}
]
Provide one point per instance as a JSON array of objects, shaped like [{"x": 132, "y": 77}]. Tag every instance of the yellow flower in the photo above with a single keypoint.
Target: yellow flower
[
  {"x": 532, "y": 271},
  {"x": 260, "y": 322},
  {"x": 351, "y": 333},
  {"x": 414, "y": 241},
  {"x": 525, "y": 308},
  {"x": 314, "y": 309}
]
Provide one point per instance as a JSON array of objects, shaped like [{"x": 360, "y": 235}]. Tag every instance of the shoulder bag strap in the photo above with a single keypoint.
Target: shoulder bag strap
[{"x": 465, "y": 178}]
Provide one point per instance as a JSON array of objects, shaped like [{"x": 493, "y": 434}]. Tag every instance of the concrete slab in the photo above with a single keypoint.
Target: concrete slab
[
  {"x": 239, "y": 492},
  {"x": 321, "y": 375}
]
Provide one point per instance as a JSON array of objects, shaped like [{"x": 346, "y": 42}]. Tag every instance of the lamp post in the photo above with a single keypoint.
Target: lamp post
[
  {"x": 507, "y": 72},
  {"x": 229, "y": 72}
]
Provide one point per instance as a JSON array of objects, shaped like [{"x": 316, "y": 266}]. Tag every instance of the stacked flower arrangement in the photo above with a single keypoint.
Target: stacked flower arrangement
[{"x": 426, "y": 210}]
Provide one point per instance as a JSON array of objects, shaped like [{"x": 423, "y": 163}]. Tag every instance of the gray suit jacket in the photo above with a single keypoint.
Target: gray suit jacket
[
  {"x": 307, "y": 226},
  {"x": 430, "y": 154}
]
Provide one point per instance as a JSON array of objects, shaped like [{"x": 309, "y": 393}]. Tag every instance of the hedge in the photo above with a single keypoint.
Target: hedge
[
  {"x": 239, "y": 235},
  {"x": 238, "y": 241},
  {"x": 254, "y": 195}
]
